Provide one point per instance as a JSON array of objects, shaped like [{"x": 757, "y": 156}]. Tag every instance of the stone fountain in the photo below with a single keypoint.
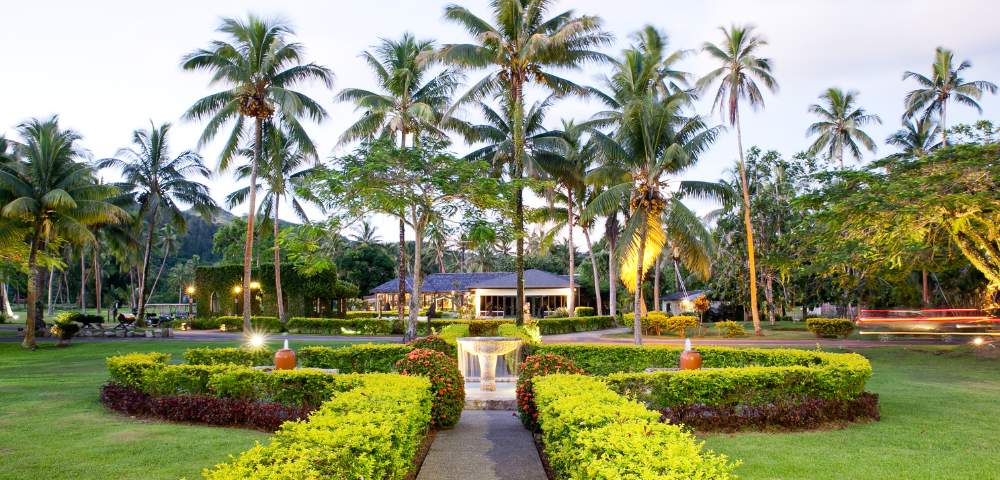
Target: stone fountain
[{"x": 486, "y": 350}]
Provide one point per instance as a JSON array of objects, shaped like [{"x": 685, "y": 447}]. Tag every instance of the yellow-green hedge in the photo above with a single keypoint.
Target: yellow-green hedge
[
  {"x": 372, "y": 431},
  {"x": 130, "y": 369},
  {"x": 590, "y": 432},
  {"x": 830, "y": 327}
]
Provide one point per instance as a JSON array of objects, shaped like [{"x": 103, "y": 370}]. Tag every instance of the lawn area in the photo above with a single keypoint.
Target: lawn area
[
  {"x": 52, "y": 426},
  {"x": 939, "y": 421}
]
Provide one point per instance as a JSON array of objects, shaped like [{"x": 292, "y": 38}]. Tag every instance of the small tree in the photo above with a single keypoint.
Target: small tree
[{"x": 425, "y": 182}]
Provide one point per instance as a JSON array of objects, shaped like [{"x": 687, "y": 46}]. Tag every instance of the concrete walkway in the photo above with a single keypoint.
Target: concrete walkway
[{"x": 485, "y": 445}]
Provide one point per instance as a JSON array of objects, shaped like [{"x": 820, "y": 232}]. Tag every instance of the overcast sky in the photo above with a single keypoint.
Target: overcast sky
[{"x": 109, "y": 67}]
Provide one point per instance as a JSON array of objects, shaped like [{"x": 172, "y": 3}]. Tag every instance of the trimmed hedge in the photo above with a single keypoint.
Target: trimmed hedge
[
  {"x": 537, "y": 365},
  {"x": 372, "y": 431},
  {"x": 451, "y": 332},
  {"x": 830, "y": 327},
  {"x": 554, "y": 326},
  {"x": 340, "y": 326},
  {"x": 446, "y": 383},
  {"x": 591, "y": 432},
  {"x": 436, "y": 343},
  {"x": 354, "y": 358},
  {"x": 731, "y": 376},
  {"x": 584, "y": 312},
  {"x": 794, "y": 414},
  {"x": 235, "y": 324},
  {"x": 130, "y": 369},
  {"x": 730, "y": 329},
  {"x": 229, "y": 355}
]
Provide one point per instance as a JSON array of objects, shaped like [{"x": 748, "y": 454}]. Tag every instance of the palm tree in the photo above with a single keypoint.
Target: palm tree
[
  {"x": 945, "y": 84},
  {"x": 916, "y": 138},
  {"x": 157, "y": 183},
  {"x": 259, "y": 66},
  {"x": 367, "y": 233},
  {"x": 653, "y": 143},
  {"x": 840, "y": 126},
  {"x": 409, "y": 103},
  {"x": 519, "y": 48},
  {"x": 281, "y": 169},
  {"x": 565, "y": 156},
  {"x": 48, "y": 190},
  {"x": 738, "y": 73}
]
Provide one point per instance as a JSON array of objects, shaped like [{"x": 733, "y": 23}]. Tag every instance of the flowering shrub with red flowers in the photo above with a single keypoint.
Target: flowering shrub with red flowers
[
  {"x": 434, "y": 342},
  {"x": 535, "y": 365},
  {"x": 446, "y": 383}
]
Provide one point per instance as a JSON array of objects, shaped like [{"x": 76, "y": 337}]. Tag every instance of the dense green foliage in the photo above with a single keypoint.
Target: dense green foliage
[
  {"x": 534, "y": 366},
  {"x": 229, "y": 355},
  {"x": 356, "y": 358},
  {"x": 590, "y": 432},
  {"x": 371, "y": 431},
  {"x": 340, "y": 326},
  {"x": 129, "y": 369}
]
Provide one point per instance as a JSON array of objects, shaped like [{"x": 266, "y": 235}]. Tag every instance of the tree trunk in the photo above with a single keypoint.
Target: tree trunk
[
  {"x": 751, "y": 261},
  {"x": 400, "y": 306},
  {"x": 678, "y": 277},
  {"x": 251, "y": 215},
  {"x": 159, "y": 272},
  {"x": 571, "y": 304},
  {"x": 31, "y": 304},
  {"x": 517, "y": 136},
  {"x": 593, "y": 264},
  {"x": 145, "y": 260},
  {"x": 52, "y": 278},
  {"x": 638, "y": 305},
  {"x": 769, "y": 297},
  {"x": 926, "y": 292},
  {"x": 83, "y": 282},
  {"x": 611, "y": 234},
  {"x": 9, "y": 312},
  {"x": 97, "y": 277},
  {"x": 944, "y": 124},
  {"x": 656, "y": 284},
  {"x": 279, "y": 297},
  {"x": 411, "y": 323}
]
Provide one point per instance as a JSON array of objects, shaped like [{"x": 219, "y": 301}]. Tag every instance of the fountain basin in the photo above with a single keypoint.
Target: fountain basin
[{"x": 486, "y": 350}]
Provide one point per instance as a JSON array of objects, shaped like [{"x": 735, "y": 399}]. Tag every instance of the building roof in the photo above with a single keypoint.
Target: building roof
[
  {"x": 447, "y": 282},
  {"x": 680, "y": 297}
]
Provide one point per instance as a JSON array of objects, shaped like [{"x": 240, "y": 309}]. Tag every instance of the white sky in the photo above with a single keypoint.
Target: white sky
[{"x": 108, "y": 67}]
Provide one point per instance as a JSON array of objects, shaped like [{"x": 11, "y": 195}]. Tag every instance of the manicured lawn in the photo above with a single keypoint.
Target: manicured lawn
[
  {"x": 940, "y": 420},
  {"x": 52, "y": 425}
]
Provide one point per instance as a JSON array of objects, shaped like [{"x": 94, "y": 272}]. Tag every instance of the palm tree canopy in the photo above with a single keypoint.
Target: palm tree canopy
[
  {"x": 497, "y": 135},
  {"x": 944, "y": 84},
  {"x": 740, "y": 70},
  {"x": 408, "y": 101},
  {"x": 45, "y": 184},
  {"x": 523, "y": 45},
  {"x": 916, "y": 139},
  {"x": 259, "y": 68},
  {"x": 152, "y": 177},
  {"x": 840, "y": 125}
]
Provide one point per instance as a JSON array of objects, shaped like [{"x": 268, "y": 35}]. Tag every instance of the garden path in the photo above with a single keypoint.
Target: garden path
[{"x": 484, "y": 445}]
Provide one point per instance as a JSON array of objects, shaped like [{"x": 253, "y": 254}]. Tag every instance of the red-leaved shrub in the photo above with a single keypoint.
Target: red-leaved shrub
[
  {"x": 790, "y": 414},
  {"x": 446, "y": 383},
  {"x": 535, "y": 365}
]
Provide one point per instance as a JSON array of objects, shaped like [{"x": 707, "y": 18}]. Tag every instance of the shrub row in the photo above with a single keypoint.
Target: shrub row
[
  {"x": 201, "y": 408},
  {"x": 340, "y": 326},
  {"x": 534, "y": 366},
  {"x": 130, "y": 369},
  {"x": 235, "y": 324},
  {"x": 355, "y": 358},
  {"x": 229, "y": 355},
  {"x": 791, "y": 414},
  {"x": 591, "y": 432},
  {"x": 446, "y": 383},
  {"x": 732, "y": 376},
  {"x": 372, "y": 431},
  {"x": 830, "y": 327},
  {"x": 547, "y": 326}
]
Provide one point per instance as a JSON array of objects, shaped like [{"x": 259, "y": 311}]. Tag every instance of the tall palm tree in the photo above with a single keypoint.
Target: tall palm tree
[
  {"x": 916, "y": 139},
  {"x": 281, "y": 169},
  {"x": 408, "y": 103},
  {"x": 654, "y": 142},
  {"x": 367, "y": 233},
  {"x": 159, "y": 183},
  {"x": 520, "y": 47},
  {"x": 260, "y": 66},
  {"x": 944, "y": 84},
  {"x": 47, "y": 189},
  {"x": 567, "y": 161},
  {"x": 840, "y": 125},
  {"x": 496, "y": 134},
  {"x": 740, "y": 69}
]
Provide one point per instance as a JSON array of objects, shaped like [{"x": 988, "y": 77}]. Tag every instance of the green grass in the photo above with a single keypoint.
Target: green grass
[
  {"x": 52, "y": 425},
  {"x": 939, "y": 421}
]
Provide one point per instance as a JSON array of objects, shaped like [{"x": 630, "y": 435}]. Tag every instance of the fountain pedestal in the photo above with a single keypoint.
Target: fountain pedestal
[{"x": 486, "y": 350}]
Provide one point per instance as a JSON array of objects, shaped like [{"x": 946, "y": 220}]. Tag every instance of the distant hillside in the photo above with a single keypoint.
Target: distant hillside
[{"x": 198, "y": 240}]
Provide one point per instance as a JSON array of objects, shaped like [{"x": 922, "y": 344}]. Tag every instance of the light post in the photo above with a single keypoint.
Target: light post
[{"x": 190, "y": 295}]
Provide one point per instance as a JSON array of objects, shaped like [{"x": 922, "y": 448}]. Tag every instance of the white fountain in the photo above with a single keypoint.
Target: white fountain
[{"x": 487, "y": 349}]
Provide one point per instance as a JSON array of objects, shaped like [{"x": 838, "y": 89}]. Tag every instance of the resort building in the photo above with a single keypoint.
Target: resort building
[{"x": 489, "y": 294}]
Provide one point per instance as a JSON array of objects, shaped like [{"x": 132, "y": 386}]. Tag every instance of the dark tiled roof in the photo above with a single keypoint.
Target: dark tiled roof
[{"x": 446, "y": 282}]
